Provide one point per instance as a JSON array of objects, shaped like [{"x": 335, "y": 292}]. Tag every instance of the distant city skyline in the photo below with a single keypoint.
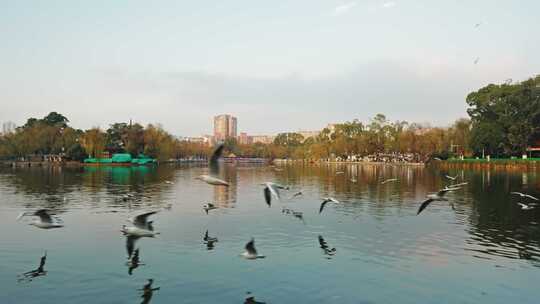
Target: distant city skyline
[{"x": 278, "y": 66}]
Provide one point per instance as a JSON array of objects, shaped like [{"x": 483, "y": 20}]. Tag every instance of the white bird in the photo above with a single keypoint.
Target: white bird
[
  {"x": 524, "y": 195},
  {"x": 168, "y": 182},
  {"x": 139, "y": 232},
  {"x": 340, "y": 172},
  {"x": 272, "y": 189},
  {"x": 452, "y": 178},
  {"x": 439, "y": 196},
  {"x": 45, "y": 221},
  {"x": 353, "y": 180},
  {"x": 209, "y": 206},
  {"x": 141, "y": 226},
  {"x": 476, "y": 60},
  {"x": 212, "y": 180},
  {"x": 213, "y": 165},
  {"x": 389, "y": 181},
  {"x": 251, "y": 252},
  {"x": 326, "y": 201},
  {"x": 525, "y": 206}
]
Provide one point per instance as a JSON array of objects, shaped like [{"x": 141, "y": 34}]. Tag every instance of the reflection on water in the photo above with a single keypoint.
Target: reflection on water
[
  {"x": 486, "y": 246},
  {"x": 32, "y": 274},
  {"x": 148, "y": 291}
]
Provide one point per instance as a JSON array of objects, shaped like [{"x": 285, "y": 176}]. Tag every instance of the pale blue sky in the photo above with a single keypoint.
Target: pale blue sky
[{"x": 276, "y": 65}]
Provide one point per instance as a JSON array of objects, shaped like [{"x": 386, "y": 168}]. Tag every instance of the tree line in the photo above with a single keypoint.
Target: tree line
[
  {"x": 504, "y": 121},
  {"x": 52, "y": 135}
]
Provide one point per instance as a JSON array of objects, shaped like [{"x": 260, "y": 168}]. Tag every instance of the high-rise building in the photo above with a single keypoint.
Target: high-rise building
[
  {"x": 225, "y": 126},
  {"x": 8, "y": 127},
  {"x": 245, "y": 139}
]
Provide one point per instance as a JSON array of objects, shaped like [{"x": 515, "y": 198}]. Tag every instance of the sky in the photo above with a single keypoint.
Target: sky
[{"x": 279, "y": 65}]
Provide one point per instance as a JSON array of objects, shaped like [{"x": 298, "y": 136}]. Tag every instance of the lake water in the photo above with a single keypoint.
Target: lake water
[{"x": 487, "y": 250}]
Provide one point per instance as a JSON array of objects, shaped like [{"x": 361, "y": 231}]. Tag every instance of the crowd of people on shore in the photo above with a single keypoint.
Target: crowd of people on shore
[{"x": 394, "y": 157}]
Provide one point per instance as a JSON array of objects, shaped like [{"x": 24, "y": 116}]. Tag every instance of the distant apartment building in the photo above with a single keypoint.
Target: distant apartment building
[
  {"x": 225, "y": 126},
  {"x": 8, "y": 127},
  {"x": 265, "y": 139},
  {"x": 245, "y": 139}
]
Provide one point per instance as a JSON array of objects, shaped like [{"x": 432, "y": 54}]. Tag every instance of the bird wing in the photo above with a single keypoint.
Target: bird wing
[
  {"x": 424, "y": 205},
  {"x": 523, "y": 205},
  {"x": 326, "y": 201},
  {"x": 214, "y": 165},
  {"x": 267, "y": 196},
  {"x": 140, "y": 220},
  {"x": 250, "y": 247},
  {"x": 130, "y": 244},
  {"x": 44, "y": 216},
  {"x": 517, "y": 193},
  {"x": 273, "y": 190},
  {"x": 531, "y": 197}
]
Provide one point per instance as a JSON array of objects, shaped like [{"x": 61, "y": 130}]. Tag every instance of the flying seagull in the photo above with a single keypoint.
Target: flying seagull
[
  {"x": 209, "y": 206},
  {"x": 353, "y": 180},
  {"x": 214, "y": 169},
  {"x": 141, "y": 226},
  {"x": 326, "y": 201},
  {"x": 439, "y": 196},
  {"x": 251, "y": 252},
  {"x": 452, "y": 178},
  {"x": 525, "y": 206},
  {"x": 476, "y": 60},
  {"x": 212, "y": 180},
  {"x": 389, "y": 181},
  {"x": 45, "y": 221},
  {"x": 478, "y": 25},
  {"x": 524, "y": 195},
  {"x": 272, "y": 189}
]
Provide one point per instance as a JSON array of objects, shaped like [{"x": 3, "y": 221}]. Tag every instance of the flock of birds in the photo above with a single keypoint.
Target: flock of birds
[{"x": 141, "y": 226}]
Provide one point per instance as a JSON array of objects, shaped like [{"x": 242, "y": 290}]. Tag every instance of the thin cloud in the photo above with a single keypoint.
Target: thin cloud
[
  {"x": 389, "y": 4},
  {"x": 343, "y": 8}
]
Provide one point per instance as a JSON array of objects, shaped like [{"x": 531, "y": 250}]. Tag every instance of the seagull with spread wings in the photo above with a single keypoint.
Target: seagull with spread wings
[
  {"x": 524, "y": 195},
  {"x": 439, "y": 196},
  {"x": 141, "y": 226},
  {"x": 326, "y": 201},
  {"x": 213, "y": 165},
  {"x": 45, "y": 219}
]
